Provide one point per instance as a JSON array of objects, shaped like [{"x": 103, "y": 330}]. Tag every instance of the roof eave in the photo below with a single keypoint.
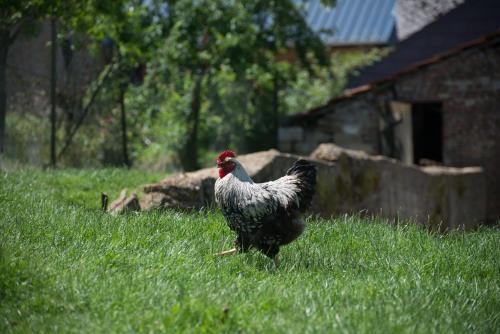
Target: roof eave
[{"x": 353, "y": 92}]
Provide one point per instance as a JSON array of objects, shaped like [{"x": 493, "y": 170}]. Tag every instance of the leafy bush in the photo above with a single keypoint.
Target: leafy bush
[{"x": 27, "y": 138}]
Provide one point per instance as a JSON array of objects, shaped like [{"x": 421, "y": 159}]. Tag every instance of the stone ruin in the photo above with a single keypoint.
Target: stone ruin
[
  {"x": 435, "y": 196},
  {"x": 348, "y": 182}
]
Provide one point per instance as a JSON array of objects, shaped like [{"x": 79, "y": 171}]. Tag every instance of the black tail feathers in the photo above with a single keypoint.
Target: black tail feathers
[{"x": 306, "y": 172}]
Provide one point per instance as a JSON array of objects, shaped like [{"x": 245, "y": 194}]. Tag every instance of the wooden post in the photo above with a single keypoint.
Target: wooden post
[{"x": 104, "y": 202}]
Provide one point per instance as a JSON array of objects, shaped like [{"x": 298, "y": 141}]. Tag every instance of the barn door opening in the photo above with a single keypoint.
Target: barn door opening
[
  {"x": 427, "y": 122},
  {"x": 418, "y": 132}
]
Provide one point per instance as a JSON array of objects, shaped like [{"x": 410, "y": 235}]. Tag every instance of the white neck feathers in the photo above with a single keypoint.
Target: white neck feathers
[{"x": 241, "y": 174}]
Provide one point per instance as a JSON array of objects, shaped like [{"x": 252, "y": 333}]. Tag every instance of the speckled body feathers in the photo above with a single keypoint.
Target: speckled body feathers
[{"x": 266, "y": 215}]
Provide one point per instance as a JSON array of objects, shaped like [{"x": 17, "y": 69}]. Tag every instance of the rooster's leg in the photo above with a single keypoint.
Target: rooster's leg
[
  {"x": 228, "y": 252},
  {"x": 271, "y": 251}
]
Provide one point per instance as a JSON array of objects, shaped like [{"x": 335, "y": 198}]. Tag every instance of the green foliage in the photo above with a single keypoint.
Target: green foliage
[
  {"x": 67, "y": 267},
  {"x": 238, "y": 108},
  {"x": 16, "y": 11},
  {"x": 212, "y": 41},
  {"x": 27, "y": 144},
  {"x": 207, "y": 34},
  {"x": 233, "y": 48},
  {"x": 310, "y": 90},
  {"x": 246, "y": 87},
  {"x": 159, "y": 109}
]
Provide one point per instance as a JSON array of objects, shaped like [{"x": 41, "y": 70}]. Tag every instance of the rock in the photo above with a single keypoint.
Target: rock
[
  {"x": 124, "y": 203},
  {"x": 183, "y": 191}
]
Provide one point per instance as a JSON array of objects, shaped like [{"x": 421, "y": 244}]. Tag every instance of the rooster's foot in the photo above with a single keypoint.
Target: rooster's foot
[{"x": 227, "y": 252}]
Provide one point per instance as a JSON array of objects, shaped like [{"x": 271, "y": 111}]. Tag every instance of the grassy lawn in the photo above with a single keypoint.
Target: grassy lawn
[{"x": 67, "y": 267}]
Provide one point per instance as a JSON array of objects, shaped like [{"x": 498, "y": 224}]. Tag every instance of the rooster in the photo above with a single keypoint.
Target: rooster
[{"x": 264, "y": 216}]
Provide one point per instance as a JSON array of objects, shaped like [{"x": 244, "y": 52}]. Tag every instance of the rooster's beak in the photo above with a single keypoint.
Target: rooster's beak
[
  {"x": 223, "y": 163},
  {"x": 220, "y": 163}
]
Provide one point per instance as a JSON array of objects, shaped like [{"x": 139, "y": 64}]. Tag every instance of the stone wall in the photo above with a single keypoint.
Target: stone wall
[{"x": 438, "y": 197}]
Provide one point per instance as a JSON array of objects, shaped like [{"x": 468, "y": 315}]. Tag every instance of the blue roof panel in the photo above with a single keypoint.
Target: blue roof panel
[{"x": 352, "y": 21}]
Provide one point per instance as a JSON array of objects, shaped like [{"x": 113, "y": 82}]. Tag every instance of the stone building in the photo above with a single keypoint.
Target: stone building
[{"x": 443, "y": 109}]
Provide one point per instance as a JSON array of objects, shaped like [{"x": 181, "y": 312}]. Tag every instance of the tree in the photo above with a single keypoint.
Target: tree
[
  {"x": 18, "y": 16},
  {"x": 130, "y": 30},
  {"x": 15, "y": 17},
  {"x": 190, "y": 47},
  {"x": 209, "y": 36}
]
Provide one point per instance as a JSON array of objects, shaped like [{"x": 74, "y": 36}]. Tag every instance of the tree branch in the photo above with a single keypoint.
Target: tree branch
[
  {"x": 18, "y": 27},
  {"x": 13, "y": 35},
  {"x": 85, "y": 111}
]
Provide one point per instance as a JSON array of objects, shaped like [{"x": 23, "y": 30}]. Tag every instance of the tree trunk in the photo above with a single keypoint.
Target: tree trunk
[
  {"x": 53, "y": 83},
  {"x": 126, "y": 161},
  {"x": 276, "y": 111},
  {"x": 4, "y": 47},
  {"x": 189, "y": 155},
  {"x": 85, "y": 111}
]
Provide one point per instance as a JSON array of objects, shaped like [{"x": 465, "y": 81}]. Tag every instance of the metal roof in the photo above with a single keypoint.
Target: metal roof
[{"x": 352, "y": 22}]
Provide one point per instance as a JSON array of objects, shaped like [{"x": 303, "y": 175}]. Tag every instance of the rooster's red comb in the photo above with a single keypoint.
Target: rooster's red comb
[{"x": 225, "y": 154}]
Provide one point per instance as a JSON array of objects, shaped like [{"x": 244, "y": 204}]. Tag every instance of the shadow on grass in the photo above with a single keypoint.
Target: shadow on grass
[
  {"x": 17, "y": 285},
  {"x": 302, "y": 262},
  {"x": 25, "y": 292}
]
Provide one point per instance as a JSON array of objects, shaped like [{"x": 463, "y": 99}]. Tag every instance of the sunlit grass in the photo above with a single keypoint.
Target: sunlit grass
[{"x": 67, "y": 267}]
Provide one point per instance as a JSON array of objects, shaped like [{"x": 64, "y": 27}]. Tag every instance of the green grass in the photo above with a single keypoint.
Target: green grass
[{"x": 67, "y": 267}]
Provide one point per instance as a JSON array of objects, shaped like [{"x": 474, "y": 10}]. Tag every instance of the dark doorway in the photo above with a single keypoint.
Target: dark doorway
[{"x": 427, "y": 124}]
